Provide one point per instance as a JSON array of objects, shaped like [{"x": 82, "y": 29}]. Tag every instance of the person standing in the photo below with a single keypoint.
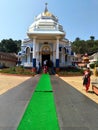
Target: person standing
[
  {"x": 45, "y": 62},
  {"x": 38, "y": 66},
  {"x": 86, "y": 79}
]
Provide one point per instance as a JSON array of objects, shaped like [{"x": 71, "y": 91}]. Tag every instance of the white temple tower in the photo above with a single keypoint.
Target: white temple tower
[{"x": 46, "y": 40}]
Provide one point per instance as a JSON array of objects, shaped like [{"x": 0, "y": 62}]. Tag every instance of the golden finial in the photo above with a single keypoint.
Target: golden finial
[{"x": 46, "y": 10}]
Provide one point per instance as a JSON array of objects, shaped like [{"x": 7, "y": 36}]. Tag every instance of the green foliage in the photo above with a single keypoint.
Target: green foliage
[
  {"x": 96, "y": 64},
  {"x": 10, "y": 46},
  {"x": 92, "y": 66},
  {"x": 70, "y": 71},
  {"x": 82, "y": 46},
  {"x": 18, "y": 70}
]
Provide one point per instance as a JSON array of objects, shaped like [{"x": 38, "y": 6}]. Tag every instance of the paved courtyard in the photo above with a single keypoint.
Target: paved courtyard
[
  {"x": 8, "y": 82},
  {"x": 76, "y": 109},
  {"x": 76, "y": 82}
]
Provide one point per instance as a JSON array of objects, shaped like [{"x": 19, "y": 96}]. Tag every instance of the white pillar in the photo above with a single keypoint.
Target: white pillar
[
  {"x": 34, "y": 47},
  {"x": 37, "y": 51},
  {"x": 34, "y": 52},
  {"x": 57, "y": 52},
  {"x": 57, "y": 48}
]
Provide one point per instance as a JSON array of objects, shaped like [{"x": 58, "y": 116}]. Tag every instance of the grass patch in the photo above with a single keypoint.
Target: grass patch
[
  {"x": 17, "y": 70},
  {"x": 70, "y": 71}
]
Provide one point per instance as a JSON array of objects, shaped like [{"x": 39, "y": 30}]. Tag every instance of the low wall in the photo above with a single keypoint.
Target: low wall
[{"x": 95, "y": 88}]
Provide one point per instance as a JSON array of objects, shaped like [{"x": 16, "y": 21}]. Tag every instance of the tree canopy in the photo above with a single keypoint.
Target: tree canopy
[
  {"x": 10, "y": 46},
  {"x": 81, "y": 46}
]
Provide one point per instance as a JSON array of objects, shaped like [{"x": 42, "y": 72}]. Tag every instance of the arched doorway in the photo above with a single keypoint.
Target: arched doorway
[
  {"x": 28, "y": 54},
  {"x": 45, "y": 54},
  {"x": 45, "y": 57}
]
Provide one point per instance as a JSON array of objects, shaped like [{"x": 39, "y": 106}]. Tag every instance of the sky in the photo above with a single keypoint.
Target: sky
[{"x": 79, "y": 18}]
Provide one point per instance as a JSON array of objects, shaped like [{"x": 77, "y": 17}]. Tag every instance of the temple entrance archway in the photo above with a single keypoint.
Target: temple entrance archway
[
  {"x": 46, "y": 51},
  {"x": 45, "y": 57}
]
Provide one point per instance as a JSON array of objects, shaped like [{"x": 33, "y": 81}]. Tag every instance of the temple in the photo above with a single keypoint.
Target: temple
[{"x": 46, "y": 41}]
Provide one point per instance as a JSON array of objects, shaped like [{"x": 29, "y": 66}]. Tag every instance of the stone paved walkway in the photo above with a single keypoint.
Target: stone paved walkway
[{"x": 76, "y": 109}]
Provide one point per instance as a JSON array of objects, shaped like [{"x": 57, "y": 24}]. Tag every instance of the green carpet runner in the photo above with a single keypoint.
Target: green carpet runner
[
  {"x": 41, "y": 112},
  {"x": 44, "y": 83}
]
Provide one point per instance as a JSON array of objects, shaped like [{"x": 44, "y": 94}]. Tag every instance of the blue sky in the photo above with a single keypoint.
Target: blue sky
[{"x": 79, "y": 18}]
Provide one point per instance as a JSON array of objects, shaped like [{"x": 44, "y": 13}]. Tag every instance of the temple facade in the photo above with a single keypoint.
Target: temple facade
[{"x": 46, "y": 41}]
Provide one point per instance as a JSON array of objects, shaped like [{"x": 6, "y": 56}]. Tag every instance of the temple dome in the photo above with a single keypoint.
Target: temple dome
[
  {"x": 45, "y": 21},
  {"x": 46, "y": 14}
]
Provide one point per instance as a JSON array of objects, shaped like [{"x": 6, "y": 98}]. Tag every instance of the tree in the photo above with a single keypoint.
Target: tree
[
  {"x": 92, "y": 38},
  {"x": 88, "y": 46},
  {"x": 10, "y": 46},
  {"x": 77, "y": 39},
  {"x": 79, "y": 46}
]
